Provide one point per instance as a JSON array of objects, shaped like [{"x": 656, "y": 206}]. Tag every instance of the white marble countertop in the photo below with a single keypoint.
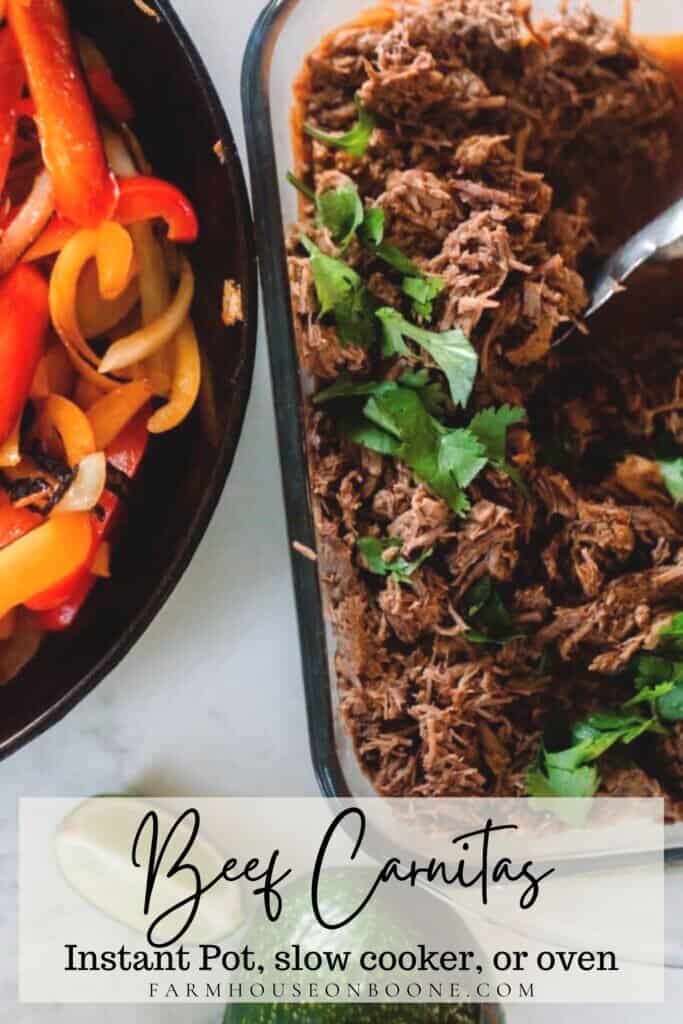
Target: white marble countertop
[{"x": 210, "y": 701}]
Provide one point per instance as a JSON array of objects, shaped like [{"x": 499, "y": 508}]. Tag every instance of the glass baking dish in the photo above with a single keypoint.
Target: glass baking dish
[{"x": 284, "y": 33}]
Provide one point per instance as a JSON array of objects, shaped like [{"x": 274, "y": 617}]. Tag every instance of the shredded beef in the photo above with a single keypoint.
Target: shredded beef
[{"x": 503, "y": 164}]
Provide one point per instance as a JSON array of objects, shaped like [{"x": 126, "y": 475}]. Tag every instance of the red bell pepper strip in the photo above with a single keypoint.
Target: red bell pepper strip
[
  {"x": 140, "y": 198},
  {"x": 24, "y": 320},
  {"x": 85, "y": 190},
  {"x": 144, "y": 198},
  {"x": 12, "y": 79},
  {"x": 126, "y": 454},
  {"x": 63, "y": 617},
  {"x": 109, "y": 94}
]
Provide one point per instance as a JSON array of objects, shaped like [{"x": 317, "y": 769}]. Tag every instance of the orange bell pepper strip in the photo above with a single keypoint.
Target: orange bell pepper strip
[
  {"x": 141, "y": 198},
  {"x": 59, "y": 607},
  {"x": 85, "y": 190},
  {"x": 15, "y": 523},
  {"x": 110, "y": 413},
  {"x": 56, "y": 595},
  {"x": 12, "y": 78},
  {"x": 72, "y": 425},
  {"x": 24, "y": 320},
  {"x": 43, "y": 557}
]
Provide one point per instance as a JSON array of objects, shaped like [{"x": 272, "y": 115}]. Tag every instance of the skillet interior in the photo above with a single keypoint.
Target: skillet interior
[{"x": 179, "y": 120}]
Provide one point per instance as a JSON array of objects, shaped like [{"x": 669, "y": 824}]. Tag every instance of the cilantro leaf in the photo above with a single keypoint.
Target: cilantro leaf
[
  {"x": 394, "y": 420},
  {"x": 355, "y": 142},
  {"x": 340, "y": 210},
  {"x": 650, "y": 694},
  {"x": 423, "y": 291},
  {"x": 491, "y": 427},
  {"x": 374, "y": 551},
  {"x": 452, "y": 350},
  {"x": 672, "y": 473},
  {"x": 485, "y": 607},
  {"x": 544, "y": 782},
  {"x": 670, "y": 706},
  {"x": 371, "y": 231},
  {"x": 671, "y": 636},
  {"x": 341, "y": 292},
  {"x": 670, "y": 465},
  {"x": 334, "y": 280},
  {"x": 397, "y": 259},
  {"x": 658, "y": 677},
  {"x": 572, "y": 772},
  {"x": 432, "y": 393}
]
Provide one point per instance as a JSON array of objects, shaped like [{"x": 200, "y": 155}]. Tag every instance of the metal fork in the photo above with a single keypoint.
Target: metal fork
[{"x": 660, "y": 240}]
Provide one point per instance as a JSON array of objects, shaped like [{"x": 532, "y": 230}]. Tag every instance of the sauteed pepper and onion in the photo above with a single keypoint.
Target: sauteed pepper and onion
[{"x": 97, "y": 345}]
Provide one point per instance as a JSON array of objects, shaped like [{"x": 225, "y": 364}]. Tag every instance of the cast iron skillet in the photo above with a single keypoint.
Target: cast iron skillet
[{"x": 179, "y": 120}]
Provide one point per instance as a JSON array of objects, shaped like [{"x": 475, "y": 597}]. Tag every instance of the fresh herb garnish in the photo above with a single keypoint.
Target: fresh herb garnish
[
  {"x": 355, "y": 142},
  {"x": 371, "y": 231},
  {"x": 342, "y": 294},
  {"x": 658, "y": 677},
  {"x": 383, "y": 558},
  {"x": 491, "y": 427},
  {"x": 451, "y": 350},
  {"x": 486, "y": 609},
  {"x": 339, "y": 210},
  {"x": 423, "y": 291},
  {"x": 432, "y": 392},
  {"x": 572, "y": 772},
  {"x": 670, "y": 464},
  {"x": 394, "y": 420}
]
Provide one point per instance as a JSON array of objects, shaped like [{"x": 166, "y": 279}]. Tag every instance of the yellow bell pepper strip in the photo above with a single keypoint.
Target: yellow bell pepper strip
[
  {"x": 142, "y": 343},
  {"x": 43, "y": 557},
  {"x": 12, "y": 78},
  {"x": 63, "y": 306},
  {"x": 114, "y": 258},
  {"x": 85, "y": 190},
  {"x": 72, "y": 425},
  {"x": 110, "y": 414},
  {"x": 186, "y": 382},
  {"x": 24, "y": 319},
  {"x": 98, "y": 316}
]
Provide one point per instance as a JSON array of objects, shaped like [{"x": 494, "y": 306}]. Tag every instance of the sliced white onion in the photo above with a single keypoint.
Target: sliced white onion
[
  {"x": 28, "y": 223},
  {"x": 87, "y": 488}
]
